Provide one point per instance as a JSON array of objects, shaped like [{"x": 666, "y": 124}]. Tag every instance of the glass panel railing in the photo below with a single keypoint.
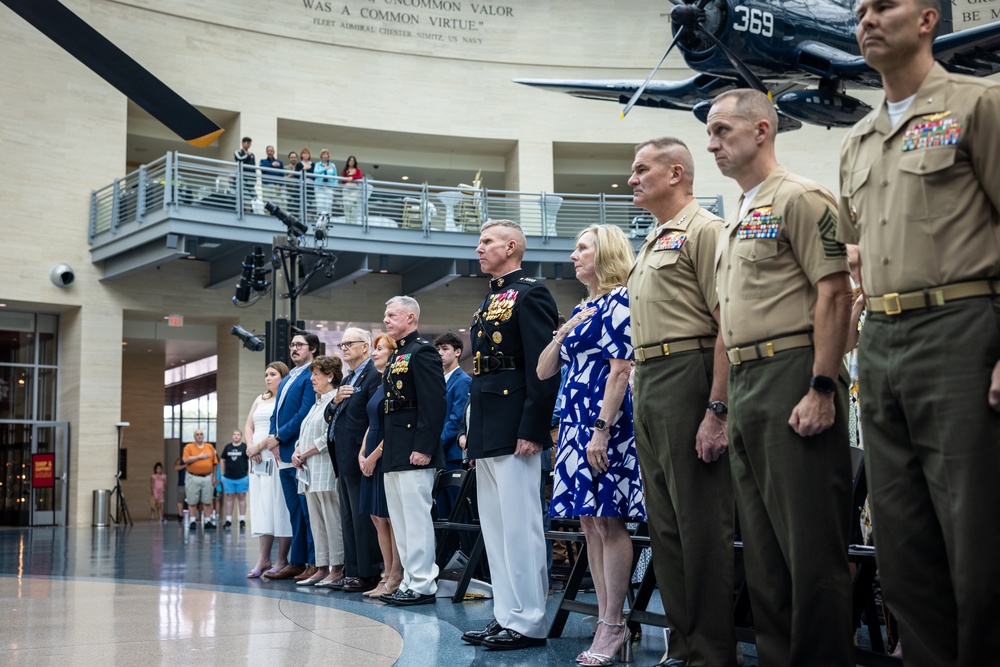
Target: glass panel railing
[{"x": 185, "y": 180}]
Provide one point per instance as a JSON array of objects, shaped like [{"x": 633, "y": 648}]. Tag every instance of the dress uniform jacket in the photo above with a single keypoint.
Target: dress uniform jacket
[
  {"x": 509, "y": 330},
  {"x": 922, "y": 199},
  {"x": 413, "y": 385}
]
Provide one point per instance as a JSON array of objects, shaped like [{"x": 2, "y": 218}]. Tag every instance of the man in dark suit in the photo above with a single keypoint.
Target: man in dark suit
[
  {"x": 348, "y": 419},
  {"x": 508, "y": 429},
  {"x": 414, "y": 416},
  {"x": 457, "y": 383},
  {"x": 296, "y": 397}
]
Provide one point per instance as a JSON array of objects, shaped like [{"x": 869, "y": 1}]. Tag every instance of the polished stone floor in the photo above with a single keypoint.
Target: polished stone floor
[{"x": 164, "y": 595}]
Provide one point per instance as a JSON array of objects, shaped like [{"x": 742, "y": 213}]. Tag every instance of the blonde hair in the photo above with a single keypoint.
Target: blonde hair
[{"x": 613, "y": 257}]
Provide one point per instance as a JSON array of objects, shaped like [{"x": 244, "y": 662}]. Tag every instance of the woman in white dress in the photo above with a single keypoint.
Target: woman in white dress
[
  {"x": 268, "y": 511},
  {"x": 312, "y": 459}
]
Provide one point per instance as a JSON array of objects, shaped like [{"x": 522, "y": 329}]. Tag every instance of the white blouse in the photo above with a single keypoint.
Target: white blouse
[{"x": 313, "y": 432}]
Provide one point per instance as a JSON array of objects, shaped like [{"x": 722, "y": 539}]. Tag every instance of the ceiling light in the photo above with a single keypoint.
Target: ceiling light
[
  {"x": 614, "y": 185},
  {"x": 405, "y": 178}
]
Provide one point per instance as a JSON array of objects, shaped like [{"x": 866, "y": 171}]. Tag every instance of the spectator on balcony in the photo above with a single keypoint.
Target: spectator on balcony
[
  {"x": 352, "y": 191},
  {"x": 293, "y": 187},
  {"x": 271, "y": 169},
  {"x": 326, "y": 181},
  {"x": 305, "y": 166},
  {"x": 245, "y": 163}
]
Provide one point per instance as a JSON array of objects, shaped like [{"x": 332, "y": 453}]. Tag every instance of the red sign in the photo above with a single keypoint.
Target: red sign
[{"x": 43, "y": 471}]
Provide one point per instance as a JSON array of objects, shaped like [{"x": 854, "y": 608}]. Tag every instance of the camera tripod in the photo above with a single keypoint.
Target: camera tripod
[{"x": 121, "y": 507}]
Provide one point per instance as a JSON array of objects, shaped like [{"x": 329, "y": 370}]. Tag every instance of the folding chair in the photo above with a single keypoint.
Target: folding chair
[{"x": 463, "y": 521}]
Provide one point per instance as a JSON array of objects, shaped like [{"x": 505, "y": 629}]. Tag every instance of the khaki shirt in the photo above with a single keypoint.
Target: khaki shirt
[
  {"x": 671, "y": 286},
  {"x": 769, "y": 261},
  {"x": 922, "y": 200}
]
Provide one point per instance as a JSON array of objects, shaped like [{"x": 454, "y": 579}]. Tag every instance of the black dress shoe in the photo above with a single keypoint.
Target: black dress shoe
[
  {"x": 476, "y": 637},
  {"x": 672, "y": 662},
  {"x": 509, "y": 640},
  {"x": 407, "y": 598}
]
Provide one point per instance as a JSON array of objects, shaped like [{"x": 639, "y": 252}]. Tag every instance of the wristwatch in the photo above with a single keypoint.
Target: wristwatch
[
  {"x": 719, "y": 408},
  {"x": 600, "y": 424},
  {"x": 823, "y": 384}
]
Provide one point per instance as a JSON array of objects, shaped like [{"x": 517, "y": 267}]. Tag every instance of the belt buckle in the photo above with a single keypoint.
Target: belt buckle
[
  {"x": 734, "y": 351},
  {"x": 640, "y": 355},
  {"x": 770, "y": 348},
  {"x": 477, "y": 367},
  {"x": 893, "y": 298},
  {"x": 666, "y": 349}
]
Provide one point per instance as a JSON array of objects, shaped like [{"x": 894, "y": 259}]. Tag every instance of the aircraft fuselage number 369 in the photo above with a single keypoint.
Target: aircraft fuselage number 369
[{"x": 753, "y": 20}]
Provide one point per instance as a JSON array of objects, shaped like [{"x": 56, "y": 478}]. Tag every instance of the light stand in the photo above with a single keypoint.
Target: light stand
[{"x": 121, "y": 507}]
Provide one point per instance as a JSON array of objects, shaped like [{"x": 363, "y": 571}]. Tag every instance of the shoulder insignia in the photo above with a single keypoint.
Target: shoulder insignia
[{"x": 525, "y": 279}]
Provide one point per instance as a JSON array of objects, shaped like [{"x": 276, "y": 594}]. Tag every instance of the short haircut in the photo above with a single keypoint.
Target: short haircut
[
  {"x": 510, "y": 231},
  {"x": 312, "y": 340},
  {"x": 363, "y": 334},
  {"x": 613, "y": 256},
  {"x": 327, "y": 365},
  {"x": 406, "y": 303},
  {"x": 449, "y": 338},
  {"x": 291, "y": 153},
  {"x": 673, "y": 150},
  {"x": 246, "y": 139},
  {"x": 752, "y": 106},
  {"x": 390, "y": 342}
]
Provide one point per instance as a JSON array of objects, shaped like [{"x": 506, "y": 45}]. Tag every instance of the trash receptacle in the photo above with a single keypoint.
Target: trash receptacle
[{"x": 102, "y": 507}]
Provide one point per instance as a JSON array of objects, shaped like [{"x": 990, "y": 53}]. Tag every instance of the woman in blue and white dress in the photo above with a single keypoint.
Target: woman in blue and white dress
[{"x": 596, "y": 477}]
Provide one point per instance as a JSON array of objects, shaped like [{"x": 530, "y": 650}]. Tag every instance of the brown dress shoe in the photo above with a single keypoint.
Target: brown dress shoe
[
  {"x": 306, "y": 573},
  {"x": 287, "y": 572},
  {"x": 359, "y": 584}
]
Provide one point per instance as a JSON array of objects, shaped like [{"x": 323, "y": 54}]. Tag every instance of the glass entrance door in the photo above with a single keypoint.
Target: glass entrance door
[
  {"x": 48, "y": 503},
  {"x": 15, "y": 465}
]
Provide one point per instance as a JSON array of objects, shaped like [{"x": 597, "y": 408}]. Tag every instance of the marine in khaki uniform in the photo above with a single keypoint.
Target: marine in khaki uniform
[
  {"x": 920, "y": 194},
  {"x": 680, "y": 409},
  {"x": 785, "y": 301}
]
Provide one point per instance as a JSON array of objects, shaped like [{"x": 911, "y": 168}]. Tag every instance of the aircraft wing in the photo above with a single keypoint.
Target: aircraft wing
[
  {"x": 677, "y": 95},
  {"x": 973, "y": 51}
]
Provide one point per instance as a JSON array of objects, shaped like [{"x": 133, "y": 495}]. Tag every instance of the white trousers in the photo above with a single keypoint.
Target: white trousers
[
  {"x": 324, "y": 521},
  {"x": 408, "y": 495},
  {"x": 510, "y": 512}
]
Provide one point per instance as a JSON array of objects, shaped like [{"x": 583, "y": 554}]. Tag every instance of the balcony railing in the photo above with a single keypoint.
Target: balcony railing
[{"x": 185, "y": 180}]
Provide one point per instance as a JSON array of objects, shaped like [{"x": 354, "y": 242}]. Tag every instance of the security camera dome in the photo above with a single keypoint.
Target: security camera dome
[{"x": 62, "y": 275}]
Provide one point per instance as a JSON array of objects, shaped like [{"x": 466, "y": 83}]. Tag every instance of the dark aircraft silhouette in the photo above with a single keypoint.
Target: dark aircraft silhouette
[
  {"x": 79, "y": 39},
  {"x": 801, "y": 52}
]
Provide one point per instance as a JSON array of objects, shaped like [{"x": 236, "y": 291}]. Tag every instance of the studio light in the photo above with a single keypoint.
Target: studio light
[
  {"x": 250, "y": 342},
  {"x": 254, "y": 276}
]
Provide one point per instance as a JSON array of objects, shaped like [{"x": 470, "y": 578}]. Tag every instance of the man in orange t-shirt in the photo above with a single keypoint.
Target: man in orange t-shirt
[{"x": 201, "y": 462}]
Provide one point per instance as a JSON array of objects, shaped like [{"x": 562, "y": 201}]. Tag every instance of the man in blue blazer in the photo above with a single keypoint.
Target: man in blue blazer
[
  {"x": 457, "y": 383},
  {"x": 296, "y": 397}
]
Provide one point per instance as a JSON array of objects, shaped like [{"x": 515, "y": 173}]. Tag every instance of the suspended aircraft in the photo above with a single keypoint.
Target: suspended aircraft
[
  {"x": 83, "y": 42},
  {"x": 803, "y": 53}
]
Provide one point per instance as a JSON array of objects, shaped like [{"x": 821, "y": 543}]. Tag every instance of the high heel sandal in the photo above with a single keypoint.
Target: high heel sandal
[{"x": 591, "y": 659}]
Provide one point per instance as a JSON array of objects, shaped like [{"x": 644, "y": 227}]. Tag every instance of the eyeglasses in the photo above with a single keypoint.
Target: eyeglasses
[
  {"x": 295, "y": 346},
  {"x": 347, "y": 343}
]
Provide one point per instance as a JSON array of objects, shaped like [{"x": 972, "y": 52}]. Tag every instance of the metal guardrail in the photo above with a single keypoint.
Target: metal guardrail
[{"x": 186, "y": 180}]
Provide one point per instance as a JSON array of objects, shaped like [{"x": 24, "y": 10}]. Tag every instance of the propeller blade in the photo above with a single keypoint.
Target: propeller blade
[
  {"x": 638, "y": 93},
  {"x": 80, "y": 40},
  {"x": 749, "y": 77}
]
